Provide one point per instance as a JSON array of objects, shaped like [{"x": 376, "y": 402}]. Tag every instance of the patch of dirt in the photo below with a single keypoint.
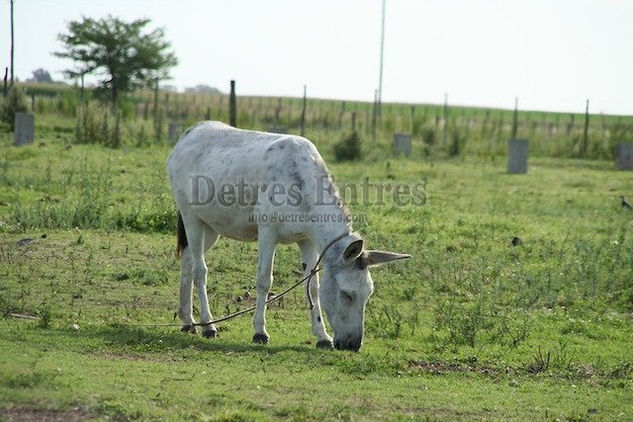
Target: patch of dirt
[
  {"x": 26, "y": 414},
  {"x": 149, "y": 357},
  {"x": 127, "y": 356},
  {"x": 439, "y": 368}
]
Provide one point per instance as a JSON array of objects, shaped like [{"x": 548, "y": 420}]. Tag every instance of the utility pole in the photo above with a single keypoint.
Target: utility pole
[
  {"x": 11, "y": 5},
  {"x": 585, "y": 140},
  {"x": 382, "y": 49},
  {"x": 515, "y": 119},
  {"x": 445, "y": 118}
]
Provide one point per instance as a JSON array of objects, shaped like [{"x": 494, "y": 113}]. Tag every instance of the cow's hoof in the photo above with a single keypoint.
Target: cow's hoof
[
  {"x": 325, "y": 344},
  {"x": 260, "y": 338},
  {"x": 210, "y": 332},
  {"x": 189, "y": 329}
]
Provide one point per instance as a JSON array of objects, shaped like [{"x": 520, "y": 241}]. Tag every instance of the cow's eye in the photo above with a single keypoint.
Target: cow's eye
[{"x": 349, "y": 297}]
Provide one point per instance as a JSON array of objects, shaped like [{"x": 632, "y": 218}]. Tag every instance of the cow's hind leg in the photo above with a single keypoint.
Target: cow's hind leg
[
  {"x": 185, "y": 310},
  {"x": 200, "y": 238},
  {"x": 266, "y": 242}
]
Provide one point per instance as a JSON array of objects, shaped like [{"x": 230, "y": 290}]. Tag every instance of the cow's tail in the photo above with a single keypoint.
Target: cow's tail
[{"x": 182, "y": 236}]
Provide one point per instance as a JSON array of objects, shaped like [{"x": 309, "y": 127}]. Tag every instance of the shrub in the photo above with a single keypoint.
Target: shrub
[
  {"x": 457, "y": 143},
  {"x": 428, "y": 136},
  {"x": 348, "y": 148},
  {"x": 14, "y": 103}
]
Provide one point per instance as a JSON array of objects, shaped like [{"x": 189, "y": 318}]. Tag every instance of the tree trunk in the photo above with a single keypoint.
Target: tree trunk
[{"x": 114, "y": 94}]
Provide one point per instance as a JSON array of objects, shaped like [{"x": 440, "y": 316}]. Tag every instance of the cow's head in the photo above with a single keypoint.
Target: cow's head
[{"x": 346, "y": 287}]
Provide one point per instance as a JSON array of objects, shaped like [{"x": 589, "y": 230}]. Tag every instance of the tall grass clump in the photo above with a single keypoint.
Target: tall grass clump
[
  {"x": 97, "y": 124},
  {"x": 88, "y": 193},
  {"x": 348, "y": 149},
  {"x": 15, "y": 102}
]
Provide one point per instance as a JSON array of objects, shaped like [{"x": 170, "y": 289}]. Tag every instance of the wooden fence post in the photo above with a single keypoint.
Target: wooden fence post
[
  {"x": 340, "y": 115},
  {"x": 303, "y": 112},
  {"x": 156, "y": 106},
  {"x": 374, "y": 116},
  {"x": 233, "y": 106},
  {"x": 445, "y": 118},
  {"x": 278, "y": 111},
  {"x": 4, "y": 88},
  {"x": 24, "y": 128}
]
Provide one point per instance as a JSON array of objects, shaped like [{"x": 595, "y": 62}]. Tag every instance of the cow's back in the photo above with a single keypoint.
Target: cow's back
[{"x": 217, "y": 157}]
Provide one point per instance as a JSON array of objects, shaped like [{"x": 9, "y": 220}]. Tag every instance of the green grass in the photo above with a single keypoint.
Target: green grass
[{"x": 470, "y": 328}]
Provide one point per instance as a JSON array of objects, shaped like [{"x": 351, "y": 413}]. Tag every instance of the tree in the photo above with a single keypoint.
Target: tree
[
  {"x": 41, "y": 75},
  {"x": 127, "y": 57}
]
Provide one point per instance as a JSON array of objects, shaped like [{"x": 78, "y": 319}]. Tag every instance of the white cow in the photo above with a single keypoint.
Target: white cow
[{"x": 269, "y": 188}]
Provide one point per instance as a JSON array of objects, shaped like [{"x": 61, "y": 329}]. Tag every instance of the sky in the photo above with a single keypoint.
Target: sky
[{"x": 551, "y": 54}]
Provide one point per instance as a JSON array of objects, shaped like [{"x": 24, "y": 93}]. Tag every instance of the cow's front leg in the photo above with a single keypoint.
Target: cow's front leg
[
  {"x": 201, "y": 238},
  {"x": 309, "y": 257},
  {"x": 266, "y": 242}
]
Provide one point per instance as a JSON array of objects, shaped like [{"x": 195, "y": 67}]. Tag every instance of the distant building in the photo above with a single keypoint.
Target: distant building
[
  {"x": 169, "y": 88},
  {"x": 204, "y": 89}
]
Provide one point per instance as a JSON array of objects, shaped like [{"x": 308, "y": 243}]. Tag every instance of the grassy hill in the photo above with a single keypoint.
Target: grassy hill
[{"x": 437, "y": 131}]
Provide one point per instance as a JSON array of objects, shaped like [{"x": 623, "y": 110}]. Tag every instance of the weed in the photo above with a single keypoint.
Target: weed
[
  {"x": 386, "y": 322},
  {"x": 540, "y": 362},
  {"x": 463, "y": 321},
  {"x": 31, "y": 379},
  {"x": 561, "y": 359},
  {"x": 622, "y": 370},
  {"x": 45, "y": 313}
]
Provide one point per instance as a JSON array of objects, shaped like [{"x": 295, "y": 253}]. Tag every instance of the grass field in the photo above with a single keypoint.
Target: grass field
[
  {"x": 471, "y": 327},
  {"x": 438, "y": 130}
]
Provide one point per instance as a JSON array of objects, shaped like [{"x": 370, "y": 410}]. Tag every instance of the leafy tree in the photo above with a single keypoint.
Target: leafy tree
[
  {"x": 42, "y": 75},
  {"x": 127, "y": 57}
]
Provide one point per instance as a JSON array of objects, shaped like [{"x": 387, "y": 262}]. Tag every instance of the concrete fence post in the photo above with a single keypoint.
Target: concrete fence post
[
  {"x": 24, "y": 128},
  {"x": 517, "y": 156},
  {"x": 175, "y": 128},
  {"x": 402, "y": 143},
  {"x": 624, "y": 156}
]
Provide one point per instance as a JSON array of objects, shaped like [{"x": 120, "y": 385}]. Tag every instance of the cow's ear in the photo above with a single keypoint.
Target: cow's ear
[
  {"x": 382, "y": 257},
  {"x": 353, "y": 251}
]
